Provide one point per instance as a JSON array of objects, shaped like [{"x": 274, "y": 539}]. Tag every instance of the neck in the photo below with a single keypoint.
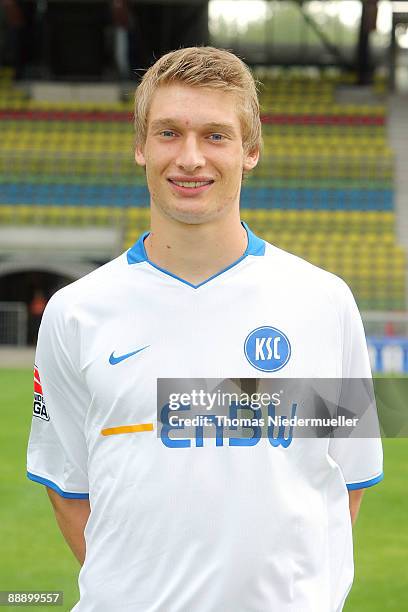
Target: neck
[{"x": 195, "y": 252}]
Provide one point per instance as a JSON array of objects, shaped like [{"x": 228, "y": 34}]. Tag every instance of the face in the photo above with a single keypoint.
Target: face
[{"x": 193, "y": 154}]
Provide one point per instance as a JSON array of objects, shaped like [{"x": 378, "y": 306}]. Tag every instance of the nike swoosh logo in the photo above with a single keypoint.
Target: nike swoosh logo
[{"x": 114, "y": 360}]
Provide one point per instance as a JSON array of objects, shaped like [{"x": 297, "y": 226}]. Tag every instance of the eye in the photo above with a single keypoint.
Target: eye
[
  {"x": 167, "y": 133},
  {"x": 217, "y": 137}
]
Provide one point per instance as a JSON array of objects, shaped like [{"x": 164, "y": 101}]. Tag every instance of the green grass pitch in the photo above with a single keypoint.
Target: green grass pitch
[{"x": 35, "y": 557}]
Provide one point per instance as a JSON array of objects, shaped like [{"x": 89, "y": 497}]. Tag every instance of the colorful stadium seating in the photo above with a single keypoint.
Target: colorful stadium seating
[{"x": 323, "y": 189}]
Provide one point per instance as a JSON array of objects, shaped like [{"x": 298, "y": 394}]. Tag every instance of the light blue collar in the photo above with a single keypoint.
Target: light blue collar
[{"x": 137, "y": 254}]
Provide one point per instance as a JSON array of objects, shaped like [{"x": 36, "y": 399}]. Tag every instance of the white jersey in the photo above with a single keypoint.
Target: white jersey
[{"x": 199, "y": 527}]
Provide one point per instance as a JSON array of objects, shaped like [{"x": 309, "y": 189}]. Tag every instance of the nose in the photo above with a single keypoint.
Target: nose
[{"x": 190, "y": 156}]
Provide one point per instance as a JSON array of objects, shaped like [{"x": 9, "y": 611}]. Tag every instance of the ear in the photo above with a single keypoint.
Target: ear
[
  {"x": 251, "y": 159},
  {"x": 139, "y": 156}
]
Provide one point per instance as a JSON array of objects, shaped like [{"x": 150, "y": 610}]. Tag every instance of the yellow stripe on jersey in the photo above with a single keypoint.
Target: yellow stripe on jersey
[{"x": 123, "y": 429}]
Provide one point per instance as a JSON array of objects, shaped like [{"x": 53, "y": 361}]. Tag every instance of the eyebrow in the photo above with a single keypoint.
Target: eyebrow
[{"x": 211, "y": 127}]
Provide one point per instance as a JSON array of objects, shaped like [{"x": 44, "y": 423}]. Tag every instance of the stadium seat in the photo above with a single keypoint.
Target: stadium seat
[{"x": 323, "y": 188}]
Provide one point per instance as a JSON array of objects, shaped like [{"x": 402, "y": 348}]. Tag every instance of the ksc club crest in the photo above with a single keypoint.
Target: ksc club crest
[{"x": 267, "y": 349}]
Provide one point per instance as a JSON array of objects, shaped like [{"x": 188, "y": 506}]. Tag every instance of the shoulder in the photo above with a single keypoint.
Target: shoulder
[
  {"x": 305, "y": 275},
  {"x": 90, "y": 289}
]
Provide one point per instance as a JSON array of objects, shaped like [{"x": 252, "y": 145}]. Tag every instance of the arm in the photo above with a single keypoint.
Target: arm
[
  {"x": 72, "y": 516},
  {"x": 355, "y": 498}
]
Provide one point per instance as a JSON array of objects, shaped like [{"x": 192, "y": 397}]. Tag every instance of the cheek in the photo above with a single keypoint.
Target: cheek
[
  {"x": 156, "y": 156},
  {"x": 232, "y": 172},
  {"x": 228, "y": 164},
  {"x": 155, "y": 164}
]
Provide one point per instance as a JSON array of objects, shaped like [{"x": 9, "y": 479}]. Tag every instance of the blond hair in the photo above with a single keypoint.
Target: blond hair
[{"x": 202, "y": 67}]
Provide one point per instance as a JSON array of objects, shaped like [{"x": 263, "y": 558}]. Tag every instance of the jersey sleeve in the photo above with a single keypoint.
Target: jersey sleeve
[
  {"x": 359, "y": 458},
  {"x": 57, "y": 450}
]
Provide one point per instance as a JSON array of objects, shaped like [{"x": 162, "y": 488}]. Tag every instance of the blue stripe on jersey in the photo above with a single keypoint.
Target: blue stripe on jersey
[
  {"x": 137, "y": 254},
  {"x": 256, "y": 246},
  {"x": 366, "y": 483},
  {"x": 56, "y": 488}
]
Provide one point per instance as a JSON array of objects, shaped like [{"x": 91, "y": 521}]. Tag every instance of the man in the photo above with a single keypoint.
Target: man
[{"x": 187, "y": 525}]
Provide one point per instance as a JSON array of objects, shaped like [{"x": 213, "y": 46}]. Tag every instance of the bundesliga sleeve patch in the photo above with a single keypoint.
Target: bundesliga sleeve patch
[{"x": 39, "y": 409}]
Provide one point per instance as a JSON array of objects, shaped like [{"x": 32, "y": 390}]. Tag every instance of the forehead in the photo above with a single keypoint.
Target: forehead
[{"x": 194, "y": 106}]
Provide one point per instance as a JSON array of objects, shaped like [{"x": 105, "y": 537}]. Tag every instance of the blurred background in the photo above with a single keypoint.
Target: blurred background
[{"x": 332, "y": 187}]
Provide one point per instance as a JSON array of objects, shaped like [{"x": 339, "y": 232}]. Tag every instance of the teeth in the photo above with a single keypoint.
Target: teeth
[{"x": 191, "y": 183}]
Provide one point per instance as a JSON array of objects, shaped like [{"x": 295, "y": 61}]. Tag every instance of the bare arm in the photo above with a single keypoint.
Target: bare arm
[
  {"x": 72, "y": 516},
  {"x": 355, "y": 498}
]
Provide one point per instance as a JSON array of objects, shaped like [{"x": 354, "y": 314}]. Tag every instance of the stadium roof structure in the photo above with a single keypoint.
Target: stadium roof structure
[{"x": 156, "y": 32}]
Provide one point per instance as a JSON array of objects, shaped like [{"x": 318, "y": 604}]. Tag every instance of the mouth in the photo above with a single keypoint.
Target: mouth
[{"x": 189, "y": 188}]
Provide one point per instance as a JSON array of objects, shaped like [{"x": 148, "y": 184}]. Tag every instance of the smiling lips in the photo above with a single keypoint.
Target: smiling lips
[{"x": 191, "y": 187}]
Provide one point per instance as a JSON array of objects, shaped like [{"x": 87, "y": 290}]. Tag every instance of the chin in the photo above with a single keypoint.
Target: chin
[
  {"x": 192, "y": 218},
  {"x": 191, "y": 215}
]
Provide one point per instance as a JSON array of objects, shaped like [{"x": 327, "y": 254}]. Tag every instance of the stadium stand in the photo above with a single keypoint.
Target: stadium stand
[{"x": 323, "y": 189}]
